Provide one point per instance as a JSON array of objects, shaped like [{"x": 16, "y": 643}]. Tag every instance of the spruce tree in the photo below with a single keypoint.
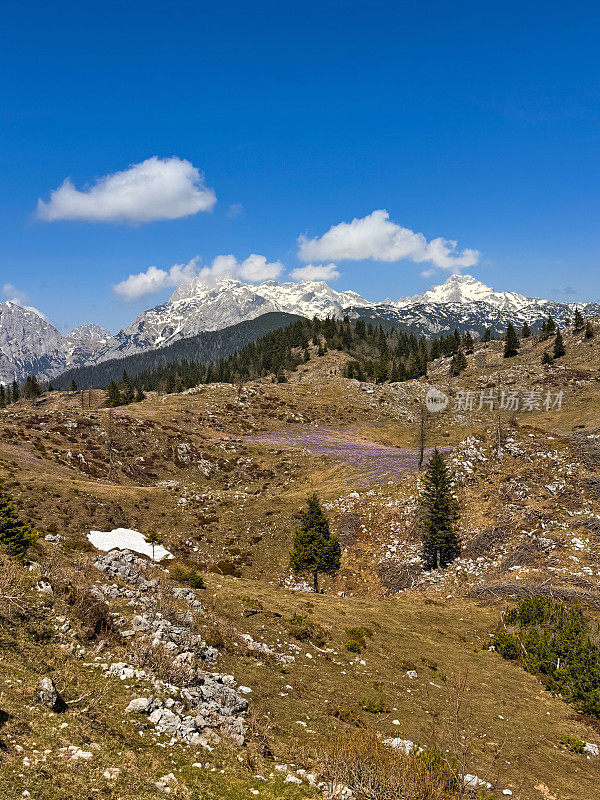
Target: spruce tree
[
  {"x": 315, "y": 549},
  {"x": 550, "y": 325},
  {"x": 589, "y": 330},
  {"x": 113, "y": 395},
  {"x": 73, "y": 386},
  {"x": 547, "y": 358},
  {"x": 559, "y": 345},
  {"x": 439, "y": 515},
  {"x": 127, "y": 393},
  {"x": 458, "y": 363},
  {"x": 468, "y": 344},
  {"x": 32, "y": 388},
  {"x": 153, "y": 539},
  {"x": 525, "y": 331},
  {"x": 487, "y": 336},
  {"x": 511, "y": 342},
  {"x": 139, "y": 394},
  {"x": 2, "y": 396},
  {"x": 15, "y": 536},
  {"x": 15, "y": 394},
  {"x": 578, "y": 322}
]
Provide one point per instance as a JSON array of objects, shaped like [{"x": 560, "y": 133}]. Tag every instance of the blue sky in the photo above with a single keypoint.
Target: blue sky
[{"x": 469, "y": 122}]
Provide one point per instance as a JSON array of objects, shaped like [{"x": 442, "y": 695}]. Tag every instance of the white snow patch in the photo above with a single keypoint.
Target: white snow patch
[{"x": 126, "y": 539}]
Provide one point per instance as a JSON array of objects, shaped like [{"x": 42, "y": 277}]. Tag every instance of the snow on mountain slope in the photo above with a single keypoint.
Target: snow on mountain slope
[
  {"x": 30, "y": 345},
  {"x": 465, "y": 289},
  {"x": 91, "y": 333},
  {"x": 198, "y": 307}
]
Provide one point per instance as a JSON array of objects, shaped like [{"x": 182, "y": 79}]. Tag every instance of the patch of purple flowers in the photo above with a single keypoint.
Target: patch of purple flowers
[{"x": 375, "y": 462}]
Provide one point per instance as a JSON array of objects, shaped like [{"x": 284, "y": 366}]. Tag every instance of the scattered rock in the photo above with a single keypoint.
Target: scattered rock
[{"x": 50, "y": 696}]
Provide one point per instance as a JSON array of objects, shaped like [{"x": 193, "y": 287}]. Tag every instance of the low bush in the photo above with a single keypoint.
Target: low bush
[
  {"x": 190, "y": 577},
  {"x": 572, "y": 743},
  {"x": 372, "y": 770},
  {"x": 506, "y": 644},
  {"x": 374, "y": 705},
  {"x": 225, "y": 567},
  {"x": 356, "y": 638},
  {"x": 305, "y": 630},
  {"x": 554, "y": 642}
]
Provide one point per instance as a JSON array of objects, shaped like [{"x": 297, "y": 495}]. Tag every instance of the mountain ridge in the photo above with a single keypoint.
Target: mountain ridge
[{"x": 29, "y": 344}]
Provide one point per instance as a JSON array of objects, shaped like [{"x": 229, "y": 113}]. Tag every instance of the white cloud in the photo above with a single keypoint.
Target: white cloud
[
  {"x": 155, "y": 279},
  {"x": 375, "y": 237},
  {"x": 427, "y": 273},
  {"x": 257, "y": 268},
  {"x": 254, "y": 268},
  {"x": 10, "y": 292},
  {"x": 158, "y": 188},
  {"x": 316, "y": 272},
  {"x": 18, "y": 297}
]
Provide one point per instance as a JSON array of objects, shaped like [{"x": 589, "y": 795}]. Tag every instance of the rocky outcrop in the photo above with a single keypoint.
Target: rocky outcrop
[{"x": 213, "y": 704}]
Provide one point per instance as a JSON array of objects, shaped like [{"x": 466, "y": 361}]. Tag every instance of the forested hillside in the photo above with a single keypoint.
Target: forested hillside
[
  {"x": 377, "y": 355},
  {"x": 204, "y": 348}
]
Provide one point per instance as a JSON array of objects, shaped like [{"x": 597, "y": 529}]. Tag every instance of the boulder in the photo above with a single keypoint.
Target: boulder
[
  {"x": 141, "y": 705},
  {"x": 50, "y": 696}
]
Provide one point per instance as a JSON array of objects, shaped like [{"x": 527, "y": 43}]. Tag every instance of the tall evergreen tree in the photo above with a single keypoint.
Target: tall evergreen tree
[
  {"x": 2, "y": 396},
  {"x": 113, "y": 395},
  {"x": 439, "y": 515},
  {"x": 578, "y": 322},
  {"x": 487, "y": 336},
  {"x": 559, "y": 345},
  {"x": 315, "y": 549},
  {"x": 15, "y": 393},
  {"x": 32, "y": 388},
  {"x": 550, "y": 325},
  {"x": 468, "y": 344},
  {"x": 525, "y": 331},
  {"x": 511, "y": 342},
  {"x": 458, "y": 363},
  {"x": 127, "y": 394},
  {"x": 73, "y": 386},
  {"x": 15, "y": 536}
]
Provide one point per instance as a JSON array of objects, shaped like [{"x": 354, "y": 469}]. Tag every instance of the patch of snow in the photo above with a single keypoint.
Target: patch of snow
[{"x": 127, "y": 539}]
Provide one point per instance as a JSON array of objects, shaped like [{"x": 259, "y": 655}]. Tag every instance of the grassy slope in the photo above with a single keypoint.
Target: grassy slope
[{"x": 264, "y": 489}]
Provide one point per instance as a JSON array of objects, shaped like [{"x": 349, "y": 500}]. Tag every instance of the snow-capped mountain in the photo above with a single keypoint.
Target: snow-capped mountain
[
  {"x": 196, "y": 307},
  {"x": 468, "y": 304},
  {"x": 466, "y": 289},
  {"x": 30, "y": 345}
]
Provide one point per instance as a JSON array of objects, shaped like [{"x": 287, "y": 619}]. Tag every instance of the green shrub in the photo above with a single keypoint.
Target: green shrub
[
  {"x": 572, "y": 743},
  {"x": 356, "y": 638},
  {"x": 557, "y": 646},
  {"x": 373, "y": 705},
  {"x": 506, "y": 644},
  {"x": 305, "y": 630},
  {"x": 190, "y": 577}
]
